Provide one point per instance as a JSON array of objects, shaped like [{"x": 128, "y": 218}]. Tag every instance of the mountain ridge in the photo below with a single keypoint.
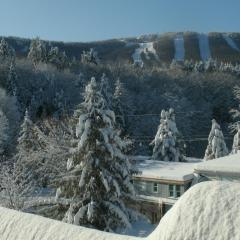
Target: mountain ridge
[{"x": 123, "y": 49}]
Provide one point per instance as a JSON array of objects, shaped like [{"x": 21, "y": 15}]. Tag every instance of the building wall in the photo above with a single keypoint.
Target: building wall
[{"x": 144, "y": 187}]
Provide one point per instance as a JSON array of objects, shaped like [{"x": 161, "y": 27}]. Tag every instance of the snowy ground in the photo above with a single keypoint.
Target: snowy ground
[
  {"x": 230, "y": 42},
  {"x": 204, "y": 47},
  {"x": 145, "y": 48},
  {"x": 179, "y": 47},
  {"x": 140, "y": 228}
]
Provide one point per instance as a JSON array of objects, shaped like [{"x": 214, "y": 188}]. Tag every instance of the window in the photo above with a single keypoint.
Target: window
[
  {"x": 171, "y": 190},
  {"x": 174, "y": 191},
  {"x": 178, "y": 191},
  {"x": 155, "y": 187},
  {"x": 143, "y": 186}
]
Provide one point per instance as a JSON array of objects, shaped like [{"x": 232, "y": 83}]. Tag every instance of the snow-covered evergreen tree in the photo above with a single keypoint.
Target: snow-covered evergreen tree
[
  {"x": 57, "y": 58},
  {"x": 37, "y": 51},
  {"x": 11, "y": 80},
  {"x": 216, "y": 145},
  {"x": 118, "y": 104},
  {"x": 59, "y": 103},
  {"x": 16, "y": 186},
  {"x": 90, "y": 56},
  {"x": 31, "y": 153},
  {"x": 166, "y": 143},
  {"x": 106, "y": 90},
  {"x": 7, "y": 54},
  {"x": 4, "y": 132},
  {"x": 236, "y": 140},
  {"x": 9, "y": 108},
  {"x": 99, "y": 173}
]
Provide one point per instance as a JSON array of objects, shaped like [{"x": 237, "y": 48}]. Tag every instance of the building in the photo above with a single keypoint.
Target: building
[
  {"x": 224, "y": 168},
  {"x": 159, "y": 185}
]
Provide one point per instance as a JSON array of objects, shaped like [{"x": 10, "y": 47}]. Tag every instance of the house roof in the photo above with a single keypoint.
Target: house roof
[
  {"x": 171, "y": 171},
  {"x": 224, "y": 166}
]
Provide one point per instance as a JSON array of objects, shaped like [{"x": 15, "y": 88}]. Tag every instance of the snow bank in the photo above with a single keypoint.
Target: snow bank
[
  {"x": 179, "y": 47},
  {"x": 208, "y": 211},
  {"x": 204, "y": 47},
  {"x": 230, "y": 42},
  {"x": 22, "y": 226}
]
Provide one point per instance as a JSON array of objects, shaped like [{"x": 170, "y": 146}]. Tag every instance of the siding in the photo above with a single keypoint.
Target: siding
[{"x": 146, "y": 188}]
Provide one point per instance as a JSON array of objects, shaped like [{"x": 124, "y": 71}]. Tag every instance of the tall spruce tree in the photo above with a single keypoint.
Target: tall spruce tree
[
  {"x": 167, "y": 146},
  {"x": 37, "y": 51},
  {"x": 30, "y": 155},
  {"x": 118, "y": 104},
  {"x": 106, "y": 90},
  {"x": 4, "y": 132},
  {"x": 216, "y": 145},
  {"x": 11, "y": 80},
  {"x": 98, "y": 181},
  {"x": 7, "y": 53},
  {"x": 236, "y": 140}
]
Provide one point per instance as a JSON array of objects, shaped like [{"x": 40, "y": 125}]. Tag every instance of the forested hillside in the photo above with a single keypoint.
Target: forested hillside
[{"x": 48, "y": 79}]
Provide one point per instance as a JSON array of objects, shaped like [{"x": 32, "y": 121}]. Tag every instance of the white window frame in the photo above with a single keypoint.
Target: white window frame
[
  {"x": 174, "y": 192},
  {"x": 155, "y": 187}
]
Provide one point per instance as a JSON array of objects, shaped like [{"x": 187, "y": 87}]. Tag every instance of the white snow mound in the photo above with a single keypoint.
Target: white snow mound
[
  {"x": 23, "y": 226},
  {"x": 208, "y": 211}
]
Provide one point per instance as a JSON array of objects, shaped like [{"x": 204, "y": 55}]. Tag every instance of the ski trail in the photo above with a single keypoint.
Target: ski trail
[
  {"x": 145, "y": 48},
  {"x": 230, "y": 42},
  {"x": 179, "y": 47},
  {"x": 204, "y": 47}
]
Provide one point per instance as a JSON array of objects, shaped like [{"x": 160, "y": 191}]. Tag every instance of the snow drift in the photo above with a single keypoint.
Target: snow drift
[
  {"x": 23, "y": 226},
  {"x": 208, "y": 211}
]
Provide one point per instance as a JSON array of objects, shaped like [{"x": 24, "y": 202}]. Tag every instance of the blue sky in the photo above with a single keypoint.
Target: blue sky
[{"x": 89, "y": 20}]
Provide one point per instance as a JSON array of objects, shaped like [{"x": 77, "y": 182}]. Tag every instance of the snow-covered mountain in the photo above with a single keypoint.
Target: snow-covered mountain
[{"x": 153, "y": 49}]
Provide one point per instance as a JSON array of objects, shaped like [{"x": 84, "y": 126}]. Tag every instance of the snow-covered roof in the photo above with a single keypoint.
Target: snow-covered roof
[
  {"x": 229, "y": 165},
  {"x": 207, "y": 211},
  {"x": 176, "y": 171}
]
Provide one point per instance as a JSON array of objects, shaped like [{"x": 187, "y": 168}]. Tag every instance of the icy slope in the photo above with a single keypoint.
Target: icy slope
[
  {"x": 204, "y": 47},
  {"x": 208, "y": 211},
  {"x": 179, "y": 47},
  {"x": 145, "y": 48},
  {"x": 230, "y": 42}
]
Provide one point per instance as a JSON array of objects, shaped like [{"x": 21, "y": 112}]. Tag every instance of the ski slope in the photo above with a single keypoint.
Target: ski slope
[
  {"x": 145, "y": 48},
  {"x": 230, "y": 42},
  {"x": 204, "y": 48},
  {"x": 179, "y": 47},
  {"x": 207, "y": 211}
]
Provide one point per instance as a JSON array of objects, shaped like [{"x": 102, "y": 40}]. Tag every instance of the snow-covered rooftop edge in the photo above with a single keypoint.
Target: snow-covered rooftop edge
[
  {"x": 228, "y": 165},
  {"x": 175, "y": 171}
]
